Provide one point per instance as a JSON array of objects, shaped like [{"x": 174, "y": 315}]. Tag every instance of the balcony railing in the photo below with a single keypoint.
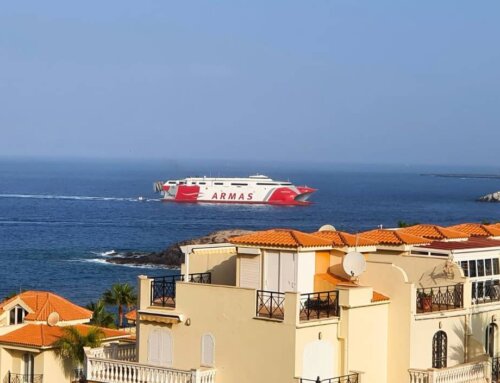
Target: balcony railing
[
  {"x": 319, "y": 305},
  {"x": 125, "y": 352},
  {"x": 25, "y": 378},
  {"x": 440, "y": 298},
  {"x": 270, "y": 304},
  {"x": 462, "y": 373},
  {"x": 163, "y": 288},
  {"x": 352, "y": 378}
]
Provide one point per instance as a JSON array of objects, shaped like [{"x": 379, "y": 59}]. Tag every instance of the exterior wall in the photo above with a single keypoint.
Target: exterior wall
[
  {"x": 478, "y": 321},
  {"x": 247, "y": 350},
  {"x": 322, "y": 262},
  {"x": 221, "y": 265},
  {"x": 306, "y": 265},
  {"x": 55, "y": 369}
]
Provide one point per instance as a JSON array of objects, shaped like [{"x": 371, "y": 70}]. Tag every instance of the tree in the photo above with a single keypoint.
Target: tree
[
  {"x": 406, "y": 224},
  {"x": 70, "y": 345},
  {"x": 119, "y": 295},
  {"x": 101, "y": 317}
]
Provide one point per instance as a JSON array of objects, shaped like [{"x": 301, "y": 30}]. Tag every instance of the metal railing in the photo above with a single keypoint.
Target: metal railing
[
  {"x": 440, "y": 298},
  {"x": 25, "y": 378},
  {"x": 163, "y": 288},
  {"x": 351, "y": 378},
  {"x": 319, "y": 305},
  {"x": 270, "y": 304}
]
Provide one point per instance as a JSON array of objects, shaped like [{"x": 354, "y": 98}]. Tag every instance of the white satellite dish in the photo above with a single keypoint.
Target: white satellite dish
[
  {"x": 354, "y": 264},
  {"x": 327, "y": 228},
  {"x": 53, "y": 318}
]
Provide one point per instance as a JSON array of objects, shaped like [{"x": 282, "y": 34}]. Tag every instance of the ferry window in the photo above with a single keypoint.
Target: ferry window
[
  {"x": 171, "y": 182},
  {"x": 465, "y": 267},
  {"x": 487, "y": 266},
  {"x": 237, "y": 184},
  {"x": 218, "y": 183},
  {"x": 266, "y": 184},
  {"x": 286, "y": 184},
  {"x": 472, "y": 269},
  {"x": 202, "y": 183},
  {"x": 193, "y": 183},
  {"x": 480, "y": 267},
  {"x": 496, "y": 267},
  {"x": 182, "y": 182}
]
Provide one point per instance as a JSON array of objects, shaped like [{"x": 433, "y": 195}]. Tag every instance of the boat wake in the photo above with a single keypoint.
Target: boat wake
[{"x": 78, "y": 198}]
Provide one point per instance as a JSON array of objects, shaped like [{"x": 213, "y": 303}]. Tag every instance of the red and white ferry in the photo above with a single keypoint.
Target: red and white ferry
[{"x": 257, "y": 189}]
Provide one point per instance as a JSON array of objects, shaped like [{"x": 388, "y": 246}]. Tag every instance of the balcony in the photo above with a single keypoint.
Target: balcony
[
  {"x": 320, "y": 305},
  {"x": 101, "y": 367},
  {"x": 163, "y": 288},
  {"x": 25, "y": 378},
  {"x": 351, "y": 378},
  {"x": 462, "y": 373},
  {"x": 440, "y": 298}
]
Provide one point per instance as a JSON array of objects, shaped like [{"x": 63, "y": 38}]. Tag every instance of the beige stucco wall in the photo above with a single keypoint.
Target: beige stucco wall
[{"x": 221, "y": 265}]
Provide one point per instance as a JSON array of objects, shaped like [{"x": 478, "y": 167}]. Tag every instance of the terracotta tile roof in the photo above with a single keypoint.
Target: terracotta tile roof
[
  {"x": 477, "y": 229},
  {"x": 434, "y": 232},
  {"x": 131, "y": 315},
  {"x": 281, "y": 238},
  {"x": 377, "y": 297},
  {"x": 42, "y": 303},
  {"x": 341, "y": 239},
  {"x": 42, "y": 335},
  {"x": 472, "y": 243},
  {"x": 393, "y": 237}
]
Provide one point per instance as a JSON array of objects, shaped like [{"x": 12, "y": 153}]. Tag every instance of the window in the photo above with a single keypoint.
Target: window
[
  {"x": 29, "y": 367},
  {"x": 238, "y": 184},
  {"x": 465, "y": 267},
  {"x": 16, "y": 315},
  {"x": 480, "y": 267},
  {"x": 202, "y": 183},
  {"x": 487, "y": 267},
  {"x": 218, "y": 183},
  {"x": 207, "y": 350},
  {"x": 496, "y": 267},
  {"x": 439, "y": 350},
  {"x": 490, "y": 343},
  {"x": 472, "y": 269}
]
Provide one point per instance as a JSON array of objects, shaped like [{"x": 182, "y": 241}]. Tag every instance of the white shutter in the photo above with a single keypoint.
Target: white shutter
[
  {"x": 288, "y": 266},
  {"x": 271, "y": 270},
  {"x": 166, "y": 358},
  {"x": 154, "y": 347},
  {"x": 250, "y": 272},
  {"x": 207, "y": 350}
]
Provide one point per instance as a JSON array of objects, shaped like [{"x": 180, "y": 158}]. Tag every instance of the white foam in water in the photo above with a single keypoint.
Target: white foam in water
[{"x": 72, "y": 197}]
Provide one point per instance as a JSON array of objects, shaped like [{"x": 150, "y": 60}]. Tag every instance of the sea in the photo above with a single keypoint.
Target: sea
[{"x": 60, "y": 219}]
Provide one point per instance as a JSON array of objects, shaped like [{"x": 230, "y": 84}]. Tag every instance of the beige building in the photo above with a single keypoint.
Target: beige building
[
  {"x": 30, "y": 325},
  {"x": 417, "y": 305}
]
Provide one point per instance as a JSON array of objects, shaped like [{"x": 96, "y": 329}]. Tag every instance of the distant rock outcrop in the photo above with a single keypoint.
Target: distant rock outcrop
[
  {"x": 172, "y": 256},
  {"x": 493, "y": 197}
]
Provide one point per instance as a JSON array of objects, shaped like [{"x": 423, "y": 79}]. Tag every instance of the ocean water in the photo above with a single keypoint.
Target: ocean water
[{"x": 59, "y": 218}]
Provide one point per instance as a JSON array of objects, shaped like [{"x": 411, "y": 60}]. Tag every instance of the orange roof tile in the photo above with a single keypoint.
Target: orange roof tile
[
  {"x": 477, "y": 229},
  {"x": 43, "y": 303},
  {"x": 341, "y": 239},
  {"x": 377, "y": 297},
  {"x": 42, "y": 335},
  {"x": 131, "y": 315},
  {"x": 434, "y": 232},
  {"x": 393, "y": 237},
  {"x": 281, "y": 238},
  {"x": 339, "y": 281}
]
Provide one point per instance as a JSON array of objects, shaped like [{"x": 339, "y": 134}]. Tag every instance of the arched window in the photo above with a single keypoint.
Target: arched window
[
  {"x": 439, "y": 350},
  {"x": 490, "y": 342},
  {"x": 207, "y": 350}
]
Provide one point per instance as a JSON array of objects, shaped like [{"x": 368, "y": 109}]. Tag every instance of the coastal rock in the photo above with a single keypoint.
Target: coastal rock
[
  {"x": 493, "y": 197},
  {"x": 172, "y": 256}
]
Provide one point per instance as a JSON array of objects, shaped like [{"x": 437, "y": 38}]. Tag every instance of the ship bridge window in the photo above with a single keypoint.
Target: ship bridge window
[
  {"x": 286, "y": 184},
  {"x": 171, "y": 182},
  {"x": 238, "y": 184},
  {"x": 182, "y": 182},
  {"x": 218, "y": 183},
  {"x": 202, "y": 183},
  {"x": 267, "y": 184}
]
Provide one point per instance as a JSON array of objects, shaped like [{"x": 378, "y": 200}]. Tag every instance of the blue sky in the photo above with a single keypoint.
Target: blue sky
[{"x": 412, "y": 82}]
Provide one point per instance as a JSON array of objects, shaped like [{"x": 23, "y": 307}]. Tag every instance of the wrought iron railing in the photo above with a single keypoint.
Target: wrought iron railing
[
  {"x": 25, "y": 378},
  {"x": 319, "y": 305},
  {"x": 351, "y": 378},
  {"x": 163, "y": 288},
  {"x": 495, "y": 369},
  {"x": 440, "y": 298},
  {"x": 270, "y": 304}
]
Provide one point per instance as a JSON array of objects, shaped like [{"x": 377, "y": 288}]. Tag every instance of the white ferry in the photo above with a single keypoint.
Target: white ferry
[{"x": 256, "y": 189}]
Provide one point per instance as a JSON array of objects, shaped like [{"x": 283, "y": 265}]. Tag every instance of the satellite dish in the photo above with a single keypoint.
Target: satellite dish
[
  {"x": 53, "y": 319},
  {"x": 354, "y": 264},
  {"x": 327, "y": 228}
]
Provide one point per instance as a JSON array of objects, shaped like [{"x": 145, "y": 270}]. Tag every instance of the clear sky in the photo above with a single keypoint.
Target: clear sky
[{"x": 414, "y": 82}]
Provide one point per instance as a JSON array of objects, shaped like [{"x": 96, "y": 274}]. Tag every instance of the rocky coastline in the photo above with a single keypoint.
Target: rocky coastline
[
  {"x": 492, "y": 197},
  {"x": 172, "y": 256}
]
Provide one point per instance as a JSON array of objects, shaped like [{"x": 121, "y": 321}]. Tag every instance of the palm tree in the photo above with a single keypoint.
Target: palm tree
[
  {"x": 120, "y": 294},
  {"x": 70, "y": 345},
  {"x": 100, "y": 316}
]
